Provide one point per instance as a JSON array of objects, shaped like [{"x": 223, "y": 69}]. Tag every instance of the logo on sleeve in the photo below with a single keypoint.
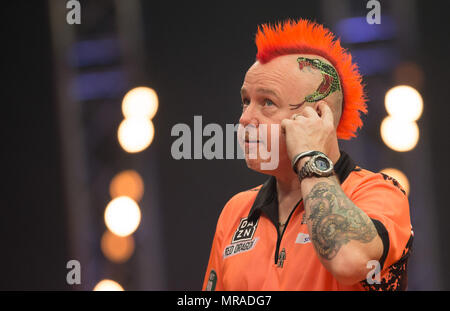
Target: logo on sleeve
[
  {"x": 242, "y": 240},
  {"x": 394, "y": 181}
]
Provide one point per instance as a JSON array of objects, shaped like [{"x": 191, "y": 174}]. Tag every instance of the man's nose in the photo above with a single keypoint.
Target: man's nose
[{"x": 249, "y": 116}]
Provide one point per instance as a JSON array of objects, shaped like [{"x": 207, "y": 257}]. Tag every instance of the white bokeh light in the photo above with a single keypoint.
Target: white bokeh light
[
  {"x": 122, "y": 216},
  {"x": 140, "y": 102},
  {"x": 135, "y": 134},
  {"x": 398, "y": 134},
  {"x": 404, "y": 102},
  {"x": 108, "y": 285}
]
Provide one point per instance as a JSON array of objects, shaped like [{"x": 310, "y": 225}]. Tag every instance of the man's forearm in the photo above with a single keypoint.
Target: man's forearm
[{"x": 335, "y": 222}]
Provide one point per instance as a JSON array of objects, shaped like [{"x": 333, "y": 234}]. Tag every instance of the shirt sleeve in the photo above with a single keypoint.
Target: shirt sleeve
[
  {"x": 213, "y": 280},
  {"x": 213, "y": 276},
  {"x": 385, "y": 202}
]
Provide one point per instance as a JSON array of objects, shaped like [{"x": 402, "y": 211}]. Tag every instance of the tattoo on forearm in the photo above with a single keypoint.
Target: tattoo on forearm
[{"x": 335, "y": 220}]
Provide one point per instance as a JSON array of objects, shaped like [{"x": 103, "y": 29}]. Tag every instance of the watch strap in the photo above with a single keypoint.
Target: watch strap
[{"x": 305, "y": 171}]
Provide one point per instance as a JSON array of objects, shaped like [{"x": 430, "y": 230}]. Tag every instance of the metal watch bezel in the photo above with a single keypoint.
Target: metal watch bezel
[{"x": 316, "y": 170}]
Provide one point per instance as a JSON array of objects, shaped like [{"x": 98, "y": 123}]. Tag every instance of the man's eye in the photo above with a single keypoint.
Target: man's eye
[
  {"x": 268, "y": 102},
  {"x": 245, "y": 102}
]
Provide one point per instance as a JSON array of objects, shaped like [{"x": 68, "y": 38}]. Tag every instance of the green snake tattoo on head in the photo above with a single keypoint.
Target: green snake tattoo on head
[{"x": 330, "y": 80}]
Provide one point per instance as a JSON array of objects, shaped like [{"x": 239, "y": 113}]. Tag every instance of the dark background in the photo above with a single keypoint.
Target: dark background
[{"x": 196, "y": 57}]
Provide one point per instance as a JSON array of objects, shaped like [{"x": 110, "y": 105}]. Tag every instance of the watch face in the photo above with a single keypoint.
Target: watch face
[{"x": 322, "y": 164}]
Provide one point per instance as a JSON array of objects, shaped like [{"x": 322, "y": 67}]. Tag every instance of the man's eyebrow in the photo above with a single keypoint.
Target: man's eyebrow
[
  {"x": 267, "y": 91},
  {"x": 261, "y": 90}
]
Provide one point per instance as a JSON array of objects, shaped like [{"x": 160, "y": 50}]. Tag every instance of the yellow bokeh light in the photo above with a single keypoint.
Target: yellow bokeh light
[
  {"x": 108, "y": 285},
  {"x": 398, "y": 134},
  {"x": 127, "y": 183},
  {"x": 399, "y": 176},
  {"x": 135, "y": 134},
  {"x": 122, "y": 216},
  {"x": 140, "y": 102},
  {"x": 116, "y": 248},
  {"x": 404, "y": 102}
]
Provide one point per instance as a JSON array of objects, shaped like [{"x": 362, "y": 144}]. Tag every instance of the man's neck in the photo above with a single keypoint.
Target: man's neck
[
  {"x": 289, "y": 193},
  {"x": 288, "y": 185}
]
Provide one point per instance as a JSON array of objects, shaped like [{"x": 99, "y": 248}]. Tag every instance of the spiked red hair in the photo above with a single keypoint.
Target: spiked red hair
[{"x": 306, "y": 37}]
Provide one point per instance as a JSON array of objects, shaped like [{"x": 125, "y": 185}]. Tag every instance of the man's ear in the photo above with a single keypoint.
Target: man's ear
[{"x": 316, "y": 107}]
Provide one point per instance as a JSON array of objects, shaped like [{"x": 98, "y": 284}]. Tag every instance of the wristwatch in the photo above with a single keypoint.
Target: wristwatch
[
  {"x": 301, "y": 155},
  {"x": 319, "y": 165}
]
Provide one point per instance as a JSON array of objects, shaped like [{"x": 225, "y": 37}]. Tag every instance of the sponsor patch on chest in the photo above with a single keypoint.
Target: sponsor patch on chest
[
  {"x": 241, "y": 247},
  {"x": 242, "y": 240},
  {"x": 303, "y": 238},
  {"x": 245, "y": 230}
]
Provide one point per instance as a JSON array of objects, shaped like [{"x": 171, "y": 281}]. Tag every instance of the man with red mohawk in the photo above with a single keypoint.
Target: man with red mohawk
[{"x": 319, "y": 222}]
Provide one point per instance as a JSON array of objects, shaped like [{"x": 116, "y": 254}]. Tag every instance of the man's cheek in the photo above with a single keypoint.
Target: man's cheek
[
  {"x": 276, "y": 141},
  {"x": 271, "y": 149}
]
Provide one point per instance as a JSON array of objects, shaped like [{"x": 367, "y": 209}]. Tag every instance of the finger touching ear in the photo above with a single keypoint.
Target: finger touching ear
[
  {"x": 324, "y": 111},
  {"x": 309, "y": 112},
  {"x": 284, "y": 123}
]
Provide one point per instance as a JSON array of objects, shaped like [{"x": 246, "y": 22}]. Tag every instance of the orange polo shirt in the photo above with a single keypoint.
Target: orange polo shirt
[{"x": 248, "y": 252}]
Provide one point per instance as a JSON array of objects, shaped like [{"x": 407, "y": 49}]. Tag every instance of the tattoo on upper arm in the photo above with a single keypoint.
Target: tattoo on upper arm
[{"x": 335, "y": 220}]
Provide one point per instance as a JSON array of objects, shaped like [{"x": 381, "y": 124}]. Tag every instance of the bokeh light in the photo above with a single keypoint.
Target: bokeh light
[
  {"x": 127, "y": 183},
  {"x": 399, "y": 176},
  {"x": 140, "y": 102},
  {"x": 398, "y": 134},
  {"x": 122, "y": 216},
  {"x": 135, "y": 134},
  {"x": 404, "y": 102},
  {"x": 116, "y": 248},
  {"x": 108, "y": 285}
]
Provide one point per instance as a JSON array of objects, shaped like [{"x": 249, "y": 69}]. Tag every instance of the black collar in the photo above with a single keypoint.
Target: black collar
[{"x": 267, "y": 200}]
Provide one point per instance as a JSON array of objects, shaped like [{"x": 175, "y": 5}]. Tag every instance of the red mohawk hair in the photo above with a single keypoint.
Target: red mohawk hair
[{"x": 306, "y": 37}]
